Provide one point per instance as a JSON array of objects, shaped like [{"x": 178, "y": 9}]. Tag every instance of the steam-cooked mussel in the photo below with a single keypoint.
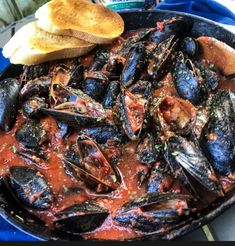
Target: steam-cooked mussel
[
  {"x": 158, "y": 62},
  {"x": 87, "y": 162},
  {"x": 160, "y": 179},
  {"x": 218, "y": 135},
  {"x": 31, "y": 135},
  {"x": 95, "y": 85},
  {"x": 148, "y": 148},
  {"x": 76, "y": 77},
  {"x": 81, "y": 218},
  {"x": 185, "y": 158},
  {"x": 189, "y": 46},
  {"x": 35, "y": 71},
  {"x": 151, "y": 212},
  {"x": 30, "y": 187},
  {"x": 103, "y": 133},
  {"x": 112, "y": 92},
  {"x": 9, "y": 95},
  {"x": 31, "y": 107},
  {"x": 174, "y": 114},
  {"x": 76, "y": 109},
  {"x": 210, "y": 76},
  {"x": 100, "y": 60},
  {"x": 134, "y": 65},
  {"x": 142, "y": 88},
  {"x": 132, "y": 112},
  {"x": 174, "y": 26},
  {"x": 37, "y": 87},
  {"x": 187, "y": 82}
]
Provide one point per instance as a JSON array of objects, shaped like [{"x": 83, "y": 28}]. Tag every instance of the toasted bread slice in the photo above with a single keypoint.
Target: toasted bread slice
[
  {"x": 82, "y": 19},
  {"x": 31, "y": 45}
]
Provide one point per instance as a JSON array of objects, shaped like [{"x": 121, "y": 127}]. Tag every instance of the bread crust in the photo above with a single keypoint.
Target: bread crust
[
  {"x": 81, "y": 19},
  {"x": 31, "y": 45}
]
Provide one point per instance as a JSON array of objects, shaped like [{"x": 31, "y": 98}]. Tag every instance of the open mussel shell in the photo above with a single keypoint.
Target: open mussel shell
[
  {"x": 30, "y": 187},
  {"x": 87, "y": 162},
  {"x": 35, "y": 71},
  {"x": 32, "y": 106},
  {"x": 162, "y": 57},
  {"x": 174, "y": 114},
  {"x": 185, "y": 157},
  {"x": 81, "y": 218},
  {"x": 37, "y": 87},
  {"x": 150, "y": 212},
  {"x": 76, "y": 109},
  {"x": 132, "y": 113},
  {"x": 218, "y": 135},
  {"x": 100, "y": 60},
  {"x": 9, "y": 95}
]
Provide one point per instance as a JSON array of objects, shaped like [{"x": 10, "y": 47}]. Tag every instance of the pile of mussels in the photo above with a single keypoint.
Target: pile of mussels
[{"x": 151, "y": 89}]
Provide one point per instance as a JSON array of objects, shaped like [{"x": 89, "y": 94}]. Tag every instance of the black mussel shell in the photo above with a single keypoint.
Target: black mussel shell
[
  {"x": 151, "y": 212},
  {"x": 218, "y": 135},
  {"x": 111, "y": 95},
  {"x": 31, "y": 187},
  {"x": 132, "y": 113},
  {"x": 37, "y": 87},
  {"x": 134, "y": 65},
  {"x": 81, "y": 218},
  {"x": 31, "y": 135},
  {"x": 95, "y": 85},
  {"x": 103, "y": 133},
  {"x": 187, "y": 82},
  {"x": 9, "y": 95},
  {"x": 77, "y": 76},
  {"x": 32, "y": 106},
  {"x": 35, "y": 71},
  {"x": 189, "y": 46},
  {"x": 100, "y": 60},
  {"x": 182, "y": 156}
]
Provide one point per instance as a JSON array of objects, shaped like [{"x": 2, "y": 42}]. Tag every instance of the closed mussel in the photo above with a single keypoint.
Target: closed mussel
[
  {"x": 30, "y": 187},
  {"x": 134, "y": 65},
  {"x": 31, "y": 135},
  {"x": 218, "y": 135},
  {"x": 149, "y": 213},
  {"x": 81, "y": 218},
  {"x": 9, "y": 94},
  {"x": 187, "y": 82},
  {"x": 185, "y": 158},
  {"x": 95, "y": 85}
]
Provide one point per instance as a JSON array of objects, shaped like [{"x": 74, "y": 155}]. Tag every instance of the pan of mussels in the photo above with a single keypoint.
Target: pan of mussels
[{"x": 134, "y": 141}]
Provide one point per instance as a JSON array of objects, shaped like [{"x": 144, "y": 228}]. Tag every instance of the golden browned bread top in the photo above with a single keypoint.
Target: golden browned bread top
[{"x": 85, "y": 16}]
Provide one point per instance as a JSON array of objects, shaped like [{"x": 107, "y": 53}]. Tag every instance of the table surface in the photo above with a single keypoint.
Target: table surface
[{"x": 222, "y": 228}]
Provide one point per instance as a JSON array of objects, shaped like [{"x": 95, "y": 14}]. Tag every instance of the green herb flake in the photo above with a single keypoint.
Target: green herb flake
[
  {"x": 114, "y": 178},
  {"x": 14, "y": 148},
  {"x": 175, "y": 153}
]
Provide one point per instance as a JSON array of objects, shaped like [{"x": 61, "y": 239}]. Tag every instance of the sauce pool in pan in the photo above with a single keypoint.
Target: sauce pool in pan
[{"x": 122, "y": 142}]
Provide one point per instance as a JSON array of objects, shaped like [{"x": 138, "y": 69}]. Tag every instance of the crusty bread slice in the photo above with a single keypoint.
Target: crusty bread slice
[
  {"x": 31, "y": 45},
  {"x": 82, "y": 19}
]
